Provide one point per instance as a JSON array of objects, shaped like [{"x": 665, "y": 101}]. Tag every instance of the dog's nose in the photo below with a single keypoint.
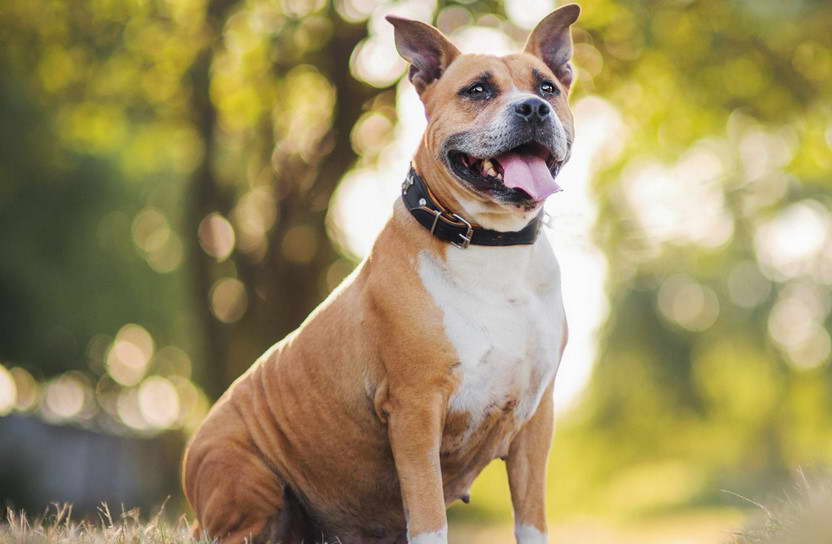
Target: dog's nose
[{"x": 532, "y": 109}]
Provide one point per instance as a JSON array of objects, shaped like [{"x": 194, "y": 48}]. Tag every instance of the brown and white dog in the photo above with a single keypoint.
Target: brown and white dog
[{"x": 432, "y": 358}]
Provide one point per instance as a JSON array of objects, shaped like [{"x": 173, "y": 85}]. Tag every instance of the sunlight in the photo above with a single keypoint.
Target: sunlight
[
  {"x": 526, "y": 14},
  {"x": 682, "y": 202},
  {"x": 790, "y": 243}
]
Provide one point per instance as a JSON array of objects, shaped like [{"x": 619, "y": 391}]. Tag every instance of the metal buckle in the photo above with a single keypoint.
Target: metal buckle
[
  {"x": 466, "y": 238},
  {"x": 453, "y": 219}
]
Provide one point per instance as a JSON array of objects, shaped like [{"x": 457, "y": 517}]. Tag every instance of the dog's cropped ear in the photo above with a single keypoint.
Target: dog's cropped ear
[
  {"x": 551, "y": 41},
  {"x": 426, "y": 49}
]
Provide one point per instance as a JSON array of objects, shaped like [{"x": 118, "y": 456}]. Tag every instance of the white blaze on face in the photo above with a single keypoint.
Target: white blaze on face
[{"x": 527, "y": 534}]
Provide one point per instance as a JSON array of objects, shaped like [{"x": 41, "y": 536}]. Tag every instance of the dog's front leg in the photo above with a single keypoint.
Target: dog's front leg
[
  {"x": 527, "y": 474},
  {"x": 415, "y": 429}
]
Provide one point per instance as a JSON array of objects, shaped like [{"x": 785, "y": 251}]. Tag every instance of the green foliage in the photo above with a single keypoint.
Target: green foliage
[
  {"x": 171, "y": 164},
  {"x": 715, "y": 356}
]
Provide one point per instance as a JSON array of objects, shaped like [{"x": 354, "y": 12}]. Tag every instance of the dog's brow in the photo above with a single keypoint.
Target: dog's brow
[
  {"x": 483, "y": 77},
  {"x": 539, "y": 78}
]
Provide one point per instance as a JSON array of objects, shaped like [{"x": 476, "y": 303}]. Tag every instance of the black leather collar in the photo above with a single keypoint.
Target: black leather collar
[{"x": 450, "y": 227}]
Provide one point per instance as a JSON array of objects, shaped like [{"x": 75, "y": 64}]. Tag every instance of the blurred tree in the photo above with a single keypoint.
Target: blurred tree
[
  {"x": 311, "y": 154},
  {"x": 170, "y": 165},
  {"x": 715, "y": 220}
]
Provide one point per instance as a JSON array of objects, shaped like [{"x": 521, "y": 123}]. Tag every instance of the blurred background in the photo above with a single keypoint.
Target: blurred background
[{"x": 182, "y": 181}]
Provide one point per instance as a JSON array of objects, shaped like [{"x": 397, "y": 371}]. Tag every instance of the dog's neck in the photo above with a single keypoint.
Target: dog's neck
[{"x": 495, "y": 266}]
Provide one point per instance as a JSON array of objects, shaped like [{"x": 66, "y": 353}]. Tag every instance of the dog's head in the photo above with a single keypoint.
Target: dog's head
[{"x": 499, "y": 128}]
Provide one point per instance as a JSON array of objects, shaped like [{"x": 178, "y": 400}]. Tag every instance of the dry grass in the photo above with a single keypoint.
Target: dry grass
[
  {"x": 802, "y": 517},
  {"x": 56, "y": 526}
]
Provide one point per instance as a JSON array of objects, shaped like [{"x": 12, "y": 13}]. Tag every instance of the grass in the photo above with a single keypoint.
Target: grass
[
  {"x": 56, "y": 526},
  {"x": 803, "y": 516}
]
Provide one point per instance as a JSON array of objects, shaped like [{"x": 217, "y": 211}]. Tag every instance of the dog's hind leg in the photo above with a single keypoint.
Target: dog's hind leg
[{"x": 236, "y": 495}]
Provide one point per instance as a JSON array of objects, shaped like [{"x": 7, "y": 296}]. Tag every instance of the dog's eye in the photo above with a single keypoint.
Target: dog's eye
[
  {"x": 477, "y": 91},
  {"x": 548, "y": 88}
]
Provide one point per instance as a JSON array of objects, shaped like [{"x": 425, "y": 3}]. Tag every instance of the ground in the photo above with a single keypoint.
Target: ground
[{"x": 695, "y": 528}]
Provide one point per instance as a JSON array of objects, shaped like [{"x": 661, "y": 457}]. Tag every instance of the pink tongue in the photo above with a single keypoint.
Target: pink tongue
[{"x": 528, "y": 172}]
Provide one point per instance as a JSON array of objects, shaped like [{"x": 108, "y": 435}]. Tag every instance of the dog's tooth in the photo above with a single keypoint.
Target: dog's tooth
[
  {"x": 486, "y": 165},
  {"x": 491, "y": 172}
]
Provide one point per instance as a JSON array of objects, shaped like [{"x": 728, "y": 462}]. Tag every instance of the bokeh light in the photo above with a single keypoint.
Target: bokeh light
[
  {"x": 789, "y": 244},
  {"x": 355, "y": 11},
  {"x": 747, "y": 287},
  {"x": 172, "y": 361},
  {"x": 161, "y": 247},
  {"x": 66, "y": 397},
  {"x": 683, "y": 202},
  {"x": 687, "y": 303},
  {"x": 254, "y": 215},
  {"x": 8, "y": 391},
  {"x": 526, "y": 14},
  {"x": 150, "y": 230},
  {"x": 229, "y": 300},
  {"x": 796, "y": 324},
  {"x": 373, "y": 62},
  {"x": 193, "y": 404},
  {"x": 129, "y": 354},
  {"x": 216, "y": 236},
  {"x": 28, "y": 389},
  {"x": 129, "y": 411},
  {"x": 158, "y": 402}
]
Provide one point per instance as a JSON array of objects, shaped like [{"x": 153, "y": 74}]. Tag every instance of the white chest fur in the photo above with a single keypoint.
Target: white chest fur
[{"x": 503, "y": 314}]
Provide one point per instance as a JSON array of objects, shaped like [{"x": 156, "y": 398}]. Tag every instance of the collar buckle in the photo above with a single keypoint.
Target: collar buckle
[
  {"x": 452, "y": 219},
  {"x": 469, "y": 233}
]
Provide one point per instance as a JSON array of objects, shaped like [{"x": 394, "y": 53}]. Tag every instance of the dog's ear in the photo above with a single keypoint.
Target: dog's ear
[
  {"x": 426, "y": 49},
  {"x": 551, "y": 41}
]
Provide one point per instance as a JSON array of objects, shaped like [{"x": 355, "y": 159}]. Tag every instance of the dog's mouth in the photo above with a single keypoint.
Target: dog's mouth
[{"x": 524, "y": 174}]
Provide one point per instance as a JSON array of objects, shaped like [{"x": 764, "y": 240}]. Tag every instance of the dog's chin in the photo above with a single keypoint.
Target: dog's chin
[{"x": 485, "y": 176}]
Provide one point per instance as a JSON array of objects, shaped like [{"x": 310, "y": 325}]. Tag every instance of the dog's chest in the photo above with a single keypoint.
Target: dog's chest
[{"x": 502, "y": 313}]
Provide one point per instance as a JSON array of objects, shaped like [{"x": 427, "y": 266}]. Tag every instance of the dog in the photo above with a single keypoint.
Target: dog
[{"x": 438, "y": 353}]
